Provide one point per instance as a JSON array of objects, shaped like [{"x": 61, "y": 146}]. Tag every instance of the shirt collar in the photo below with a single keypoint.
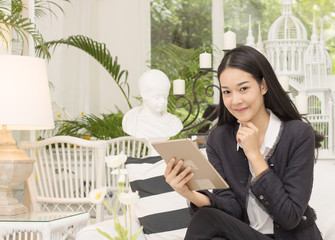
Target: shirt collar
[{"x": 271, "y": 133}]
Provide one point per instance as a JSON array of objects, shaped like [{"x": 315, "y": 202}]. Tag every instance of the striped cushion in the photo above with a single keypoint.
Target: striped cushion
[{"x": 162, "y": 212}]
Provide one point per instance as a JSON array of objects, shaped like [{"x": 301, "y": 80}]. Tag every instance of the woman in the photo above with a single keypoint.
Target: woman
[{"x": 264, "y": 151}]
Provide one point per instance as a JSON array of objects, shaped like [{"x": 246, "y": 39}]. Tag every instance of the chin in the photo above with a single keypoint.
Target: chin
[
  {"x": 243, "y": 119},
  {"x": 161, "y": 111}
]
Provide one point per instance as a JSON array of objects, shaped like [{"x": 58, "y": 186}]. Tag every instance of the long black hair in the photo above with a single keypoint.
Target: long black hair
[{"x": 250, "y": 60}]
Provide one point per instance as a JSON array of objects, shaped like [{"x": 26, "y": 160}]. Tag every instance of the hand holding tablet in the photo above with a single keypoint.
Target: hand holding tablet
[{"x": 205, "y": 175}]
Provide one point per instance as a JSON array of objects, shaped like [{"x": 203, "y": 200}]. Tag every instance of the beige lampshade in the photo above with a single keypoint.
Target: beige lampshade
[{"x": 25, "y": 99}]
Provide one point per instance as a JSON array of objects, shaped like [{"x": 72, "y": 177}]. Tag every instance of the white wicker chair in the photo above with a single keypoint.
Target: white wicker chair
[
  {"x": 66, "y": 170},
  {"x": 132, "y": 147}
]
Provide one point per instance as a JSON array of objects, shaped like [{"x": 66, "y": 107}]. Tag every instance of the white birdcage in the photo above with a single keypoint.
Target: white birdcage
[
  {"x": 315, "y": 63},
  {"x": 329, "y": 61},
  {"x": 308, "y": 66},
  {"x": 286, "y": 45}
]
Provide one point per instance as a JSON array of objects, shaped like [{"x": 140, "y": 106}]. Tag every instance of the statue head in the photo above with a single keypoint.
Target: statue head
[
  {"x": 154, "y": 86},
  {"x": 151, "y": 120}
]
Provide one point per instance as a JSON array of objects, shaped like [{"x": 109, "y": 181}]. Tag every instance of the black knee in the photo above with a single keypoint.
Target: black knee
[
  {"x": 206, "y": 212},
  {"x": 205, "y": 217}
]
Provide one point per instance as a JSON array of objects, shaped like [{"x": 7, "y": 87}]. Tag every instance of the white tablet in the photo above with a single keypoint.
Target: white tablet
[{"x": 205, "y": 175}]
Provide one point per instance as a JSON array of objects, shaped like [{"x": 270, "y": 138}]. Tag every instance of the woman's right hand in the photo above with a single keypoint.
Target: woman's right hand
[{"x": 176, "y": 179}]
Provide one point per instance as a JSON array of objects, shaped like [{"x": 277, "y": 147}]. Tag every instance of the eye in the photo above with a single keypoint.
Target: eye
[
  {"x": 225, "y": 92},
  {"x": 243, "y": 89}
]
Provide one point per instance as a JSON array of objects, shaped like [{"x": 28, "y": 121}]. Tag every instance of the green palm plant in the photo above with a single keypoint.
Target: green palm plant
[
  {"x": 12, "y": 21},
  {"x": 99, "y": 52},
  {"x": 105, "y": 127}
]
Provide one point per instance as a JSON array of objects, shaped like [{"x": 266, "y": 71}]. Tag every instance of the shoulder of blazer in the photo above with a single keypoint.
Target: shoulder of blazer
[{"x": 297, "y": 126}]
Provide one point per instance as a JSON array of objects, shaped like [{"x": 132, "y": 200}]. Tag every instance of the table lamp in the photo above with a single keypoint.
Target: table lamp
[{"x": 24, "y": 105}]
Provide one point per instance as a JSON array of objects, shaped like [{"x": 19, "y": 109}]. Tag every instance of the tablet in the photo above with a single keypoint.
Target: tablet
[{"x": 205, "y": 175}]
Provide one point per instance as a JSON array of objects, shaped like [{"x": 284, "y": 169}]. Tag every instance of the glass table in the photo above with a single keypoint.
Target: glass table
[{"x": 43, "y": 225}]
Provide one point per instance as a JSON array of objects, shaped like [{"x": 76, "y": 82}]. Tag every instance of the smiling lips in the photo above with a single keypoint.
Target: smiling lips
[{"x": 239, "y": 110}]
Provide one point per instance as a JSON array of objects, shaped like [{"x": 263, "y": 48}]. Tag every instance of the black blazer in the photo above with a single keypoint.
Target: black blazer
[{"x": 284, "y": 190}]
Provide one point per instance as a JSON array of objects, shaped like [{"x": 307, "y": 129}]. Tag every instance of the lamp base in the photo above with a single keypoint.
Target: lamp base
[
  {"x": 13, "y": 210},
  {"x": 15, "y": 168}
]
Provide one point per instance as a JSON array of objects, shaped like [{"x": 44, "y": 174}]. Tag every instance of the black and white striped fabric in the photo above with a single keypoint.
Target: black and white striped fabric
[{"x": 162, "y": 212}]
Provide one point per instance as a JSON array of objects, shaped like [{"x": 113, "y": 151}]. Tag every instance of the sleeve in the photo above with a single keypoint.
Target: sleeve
[
  {"x": 286, "y": 198},
  {"x": 221, "y": 199}
]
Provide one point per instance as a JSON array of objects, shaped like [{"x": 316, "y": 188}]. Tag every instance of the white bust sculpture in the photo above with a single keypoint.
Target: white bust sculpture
[{"x": 151, "y": 120}]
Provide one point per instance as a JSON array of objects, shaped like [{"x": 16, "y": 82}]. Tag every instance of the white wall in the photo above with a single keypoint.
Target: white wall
[{"x": 82, "y": 84}]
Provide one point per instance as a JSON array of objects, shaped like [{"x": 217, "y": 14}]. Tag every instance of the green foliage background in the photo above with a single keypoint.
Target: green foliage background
[
  {"x": 187, "y": 23},
  {"x": 182, "y": 27},
  {"x": 183, "y": 63}
]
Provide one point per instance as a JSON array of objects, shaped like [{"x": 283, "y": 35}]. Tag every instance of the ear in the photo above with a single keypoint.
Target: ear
[{"x": 264, "y": 87}]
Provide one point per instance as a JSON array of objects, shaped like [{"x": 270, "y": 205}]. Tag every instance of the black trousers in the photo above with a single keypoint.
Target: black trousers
[{"x": 211, "y": 223}]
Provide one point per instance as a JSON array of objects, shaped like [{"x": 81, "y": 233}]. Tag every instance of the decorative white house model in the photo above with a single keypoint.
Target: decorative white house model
[{"x": 304, "y": 68}]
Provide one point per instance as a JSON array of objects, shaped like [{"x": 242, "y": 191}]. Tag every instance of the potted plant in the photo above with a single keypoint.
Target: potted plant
[{"x": 106, "y": 126}]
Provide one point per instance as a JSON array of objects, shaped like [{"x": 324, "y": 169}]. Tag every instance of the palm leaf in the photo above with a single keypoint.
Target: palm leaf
[
  {"x": 22, "y": 26},
  {"x": 175, "y": 61},
  {"x": 5, "y": 6},
  {"x": 44, "y": 6},
  {"x": 100, "y": 53},
  {"x": 16, "y": 7}
]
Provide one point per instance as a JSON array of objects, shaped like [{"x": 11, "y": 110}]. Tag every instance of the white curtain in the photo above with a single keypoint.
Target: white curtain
[{"x": 81, "y": 85}]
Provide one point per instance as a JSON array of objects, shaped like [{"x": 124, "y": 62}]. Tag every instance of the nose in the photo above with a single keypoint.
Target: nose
[
  {"x": 236, "y": 98},
  {"x": 161, "y": 100}
]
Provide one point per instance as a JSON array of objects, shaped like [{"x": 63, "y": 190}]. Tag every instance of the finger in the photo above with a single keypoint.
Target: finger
[
  {"x": 177, "y": 167},
  {"x": 187, "y": 178},
  {"x": 247, "y": 130},
  {"x": 238, "y": 137},
  {"x": 242, "y": 133},
  {"x": 169, "y": 167},
  {"x": 179, "y": 183},
  {"x": 183, "y": 173},
  {"x": 251, "y": 125},
  {"x": 173, "y": 171}
]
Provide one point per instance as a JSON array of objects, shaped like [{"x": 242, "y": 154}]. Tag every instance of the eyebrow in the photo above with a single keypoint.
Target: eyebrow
[{"x": 239, "y": 84}]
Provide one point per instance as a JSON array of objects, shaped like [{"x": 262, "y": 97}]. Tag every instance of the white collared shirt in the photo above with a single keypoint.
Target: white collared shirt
[{"x": 260, "y": 220}]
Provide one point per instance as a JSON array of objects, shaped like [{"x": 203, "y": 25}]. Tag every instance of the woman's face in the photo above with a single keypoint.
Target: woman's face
[{"x": 242, "y": 95}]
